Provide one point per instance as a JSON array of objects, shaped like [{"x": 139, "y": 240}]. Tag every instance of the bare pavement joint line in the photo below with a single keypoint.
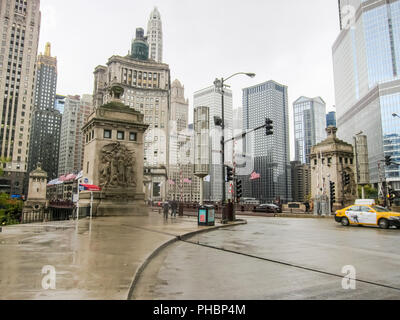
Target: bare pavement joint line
[
  {"x": 288, "y": 264},
  {"x": 176, "y": 238}
]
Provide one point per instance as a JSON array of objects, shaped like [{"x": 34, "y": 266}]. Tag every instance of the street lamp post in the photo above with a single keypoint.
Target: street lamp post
[{"x": 220, "y": 85}]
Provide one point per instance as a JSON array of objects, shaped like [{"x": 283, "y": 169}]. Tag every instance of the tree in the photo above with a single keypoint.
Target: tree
[
  {"x": 3, "y": 160},
  {"x": 370, "y": 191}
]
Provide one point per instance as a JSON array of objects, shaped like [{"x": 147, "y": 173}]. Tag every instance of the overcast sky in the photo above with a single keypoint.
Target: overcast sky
[{"x": 288, "y": 41}]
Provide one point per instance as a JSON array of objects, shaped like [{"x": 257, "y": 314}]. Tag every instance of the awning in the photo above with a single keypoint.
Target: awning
[{"x": 90, "y": 187}]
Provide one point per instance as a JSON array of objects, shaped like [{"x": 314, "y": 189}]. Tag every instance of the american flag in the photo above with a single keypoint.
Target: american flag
[
  {"x": 171, "y": 182},
  {"x": 186, "y": 180},
  {"x": 255, "y": 176}
]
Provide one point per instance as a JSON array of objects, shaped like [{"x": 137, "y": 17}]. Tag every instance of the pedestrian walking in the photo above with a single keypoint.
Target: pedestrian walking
[
  {"x": 174, "y": 207},
  {"x": 166, "y": 209}
]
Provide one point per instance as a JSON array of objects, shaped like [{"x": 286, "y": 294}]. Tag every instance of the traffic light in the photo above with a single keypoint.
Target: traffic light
[
  {"x": 239, "y": 189},
  {"x": 268, "y": 127},
  {"x": 346, "y": 179},
  {"x": 229, "y": 174},
  {"x": 333, "y": 191},
  {"x": 388, "y": 161},
  {"x": 218, "y": 121}
]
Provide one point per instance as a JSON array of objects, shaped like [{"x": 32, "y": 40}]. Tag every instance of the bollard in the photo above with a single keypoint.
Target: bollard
[{"x": 1, "y": 229}]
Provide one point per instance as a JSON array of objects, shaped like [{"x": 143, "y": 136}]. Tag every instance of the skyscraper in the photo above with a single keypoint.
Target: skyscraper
[
  {"x": 20, "y": 27},
  {"x": 331, "y": 119},
  {"x": 46, "y": 120},
  {"x": 182, "y": 184},
  {"x": 155, "y": 36},
  {"x": 309, "y": 124},
  {"x": 270, "y": 153},
  {"x": 146, "y": 86},
  {"x": 59, "y": 103},
  {"x": 366, "y": 58},
  {"x": 211, "y": 98},
  {"x": 76, "y": 113}
]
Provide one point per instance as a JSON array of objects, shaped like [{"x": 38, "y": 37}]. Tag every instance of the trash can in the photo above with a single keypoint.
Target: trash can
[{"x": 206, "y": 216}]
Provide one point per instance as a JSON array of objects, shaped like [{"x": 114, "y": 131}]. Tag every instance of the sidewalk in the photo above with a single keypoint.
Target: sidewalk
[{"x": 96, "y": 260}]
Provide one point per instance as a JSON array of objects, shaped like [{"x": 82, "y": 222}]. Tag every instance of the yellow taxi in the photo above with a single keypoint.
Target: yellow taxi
[{"x": 368, "y": 215}]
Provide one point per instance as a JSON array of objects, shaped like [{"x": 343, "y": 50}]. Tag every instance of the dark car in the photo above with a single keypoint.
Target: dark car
[{"x": 267, "y": 208}]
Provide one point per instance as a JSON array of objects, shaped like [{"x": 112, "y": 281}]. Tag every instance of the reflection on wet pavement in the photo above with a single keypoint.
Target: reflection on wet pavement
[{"x": 93, "y": 259}]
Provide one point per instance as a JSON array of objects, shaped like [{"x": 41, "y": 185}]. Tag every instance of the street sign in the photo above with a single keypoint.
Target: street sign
[{"x": 86, "y": 180}]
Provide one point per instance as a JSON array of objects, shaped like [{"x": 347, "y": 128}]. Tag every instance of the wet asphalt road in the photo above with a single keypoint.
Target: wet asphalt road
[{"x": 277, "y": 258}]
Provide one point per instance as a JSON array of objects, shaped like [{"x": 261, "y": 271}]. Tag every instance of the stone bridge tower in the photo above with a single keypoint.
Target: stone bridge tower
[
  {"x": 113, "y": 158},
  {"x": 330, "y": 160}
]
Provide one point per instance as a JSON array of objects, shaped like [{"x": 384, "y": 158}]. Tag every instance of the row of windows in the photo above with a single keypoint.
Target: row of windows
[
  {"x": 341, "y": 161},
  {"x": 120, "y": 135}
]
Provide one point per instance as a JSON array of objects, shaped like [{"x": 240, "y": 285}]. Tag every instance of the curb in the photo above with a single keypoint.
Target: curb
[
  {"x": 303, "y": 216},
  {"x": 184, "y": 237}
]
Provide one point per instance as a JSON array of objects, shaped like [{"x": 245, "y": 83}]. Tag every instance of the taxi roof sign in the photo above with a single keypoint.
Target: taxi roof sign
[{"x": 367, "y": 202}]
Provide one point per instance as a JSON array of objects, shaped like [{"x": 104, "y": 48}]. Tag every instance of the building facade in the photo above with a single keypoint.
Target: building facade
[
  {"x": 155, "y": 36},
  {"x": 366, "y": 59},
  {"x": 330, "y": 160},
  {"x": 309, "y": 124},
  {"x": 20, "y": 27},
  {"x": 211, "y": 98},
  {"x": 331, "y": 119},
  {"x": 271, "y": 154},
  {"x": 76, "y": 113},
  {"x": 59, "y": 103},
  {"x": 301, "y": 181},
  {"x": 147, "y": 86},
  {"x": 183, "y": 185},
  {"x": 46, "y": 120}
]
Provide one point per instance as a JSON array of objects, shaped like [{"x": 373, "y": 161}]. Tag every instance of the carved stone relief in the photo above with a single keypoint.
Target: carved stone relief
[{"x": 117, "y": 168}]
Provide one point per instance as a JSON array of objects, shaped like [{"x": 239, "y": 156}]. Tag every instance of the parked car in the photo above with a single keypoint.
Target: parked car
[
  {"x": 368, "y": 215},
  {"x": 267, "y": 208}
]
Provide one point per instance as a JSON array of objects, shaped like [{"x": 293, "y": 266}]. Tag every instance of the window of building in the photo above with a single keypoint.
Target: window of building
[
  {"x": 121, "y": 135},
  {"x": 107, "y": 134},
  {"x": 132, "y": 136}
]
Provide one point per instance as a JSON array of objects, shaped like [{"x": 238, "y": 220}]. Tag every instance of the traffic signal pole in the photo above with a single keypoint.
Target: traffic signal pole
[{"x": 237, "y": 184}]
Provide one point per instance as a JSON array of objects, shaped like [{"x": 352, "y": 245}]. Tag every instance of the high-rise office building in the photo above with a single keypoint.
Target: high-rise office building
[
  {"x": 301, "y": 181},
  {"x": 270, "y": 154},
  {"x": 182, "y": 183},
  {"x": 331, "y": 119},
  {"x": 146, "y": 86},
  {"x": 211, "y": 98},
  {"x": 59, "y": 103},
  {"x": 309, "y": 124},
  {"x": 46, "y": 120},
  {"x": 20, "y": 27},
  {"x": 76, "y": 113},
  {"x": 155, "y": 36},
  {"x": 366, "y": 58}
]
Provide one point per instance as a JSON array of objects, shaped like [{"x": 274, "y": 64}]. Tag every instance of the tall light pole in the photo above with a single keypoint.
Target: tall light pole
[{"x": 220, "y": 86}]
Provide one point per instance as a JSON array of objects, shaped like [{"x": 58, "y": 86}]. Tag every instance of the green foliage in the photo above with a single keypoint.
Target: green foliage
[
  {"x": 10, "y": 210},
  {"x": 370, "y": 192},
  {"x": 2, "y": 161}
]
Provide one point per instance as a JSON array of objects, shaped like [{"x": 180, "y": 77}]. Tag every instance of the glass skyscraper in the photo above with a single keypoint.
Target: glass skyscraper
[
  {"x": 309, "y": 124},
  {"x": 331, "y": 119},
  {"x": 270, "y": 154},
  {"x": 211, "y": 98},
  {"x": 366, "y": 59}
]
